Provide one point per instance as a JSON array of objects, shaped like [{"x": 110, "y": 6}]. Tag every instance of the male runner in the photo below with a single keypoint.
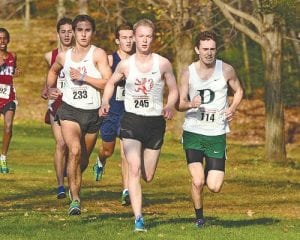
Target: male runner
[
  {"x": 110, "y": 126},
  {"x": 143, "y": 123},
  {"x": 86, "y": 71},
  {"x": 64, "y": 33},
  {"x": 203, "y": 94},
  {"x": 8, "y": 64}
]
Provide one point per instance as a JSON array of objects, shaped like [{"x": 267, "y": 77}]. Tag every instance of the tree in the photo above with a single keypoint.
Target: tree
[
  {"x": 83, "y": 6},
  {"x": 27, "y": 13},
  {"x": 266, "y": 30},
  {"x": 248, "y": 86},
  {"x": 61, "y": 10}
]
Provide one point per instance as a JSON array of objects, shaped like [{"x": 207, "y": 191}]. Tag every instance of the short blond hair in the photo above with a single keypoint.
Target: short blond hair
[{"x": 144, "y": 22}]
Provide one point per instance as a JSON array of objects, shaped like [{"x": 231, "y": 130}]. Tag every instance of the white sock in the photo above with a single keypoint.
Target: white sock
[
  {"x": 99, "y": 162},
  {"x": 3, "y": 157},
  {"x": 125, "y": 190}
]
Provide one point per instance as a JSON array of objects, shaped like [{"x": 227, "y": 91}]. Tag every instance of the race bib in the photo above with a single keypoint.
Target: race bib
[
  {"x": 211, "y": 117},
  {"x": 120, "y": 93},
  {"x": 82, "y": 95},
  {"x": 61, "y": 84},
  {"x": 143, "y": 102},
  {"x": 4, "y": 91}
]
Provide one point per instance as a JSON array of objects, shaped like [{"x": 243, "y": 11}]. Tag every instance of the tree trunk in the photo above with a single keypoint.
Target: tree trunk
[
  {"x": 274, "y": 123},
  {"x": 248, "y": 86},
  {"x": 247, "y": 81},
  {"x": 82, "y": 6},
  {"x": 119, "y": 13},
  {"x": 27, "y": 13},
  {"x": 61, "y": 10},
  {"x": 296, "y": 44},
  {"x": 184, "y": 51}
]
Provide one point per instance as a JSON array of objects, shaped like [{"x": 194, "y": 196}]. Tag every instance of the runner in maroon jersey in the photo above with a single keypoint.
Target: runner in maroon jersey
[
  {"x": 8, "y": 63},
  {"x": 64, "y": 33}
]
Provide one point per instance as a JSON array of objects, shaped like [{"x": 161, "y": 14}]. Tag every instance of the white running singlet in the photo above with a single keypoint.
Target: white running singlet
[
  {"x": 209, "y": 119},
  {"x": 76, "y": 93},
  {"x": 144, "y": 90}
]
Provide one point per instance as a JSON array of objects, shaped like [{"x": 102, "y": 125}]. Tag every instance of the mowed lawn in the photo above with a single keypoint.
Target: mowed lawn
[{"x": 259, "y": 199}]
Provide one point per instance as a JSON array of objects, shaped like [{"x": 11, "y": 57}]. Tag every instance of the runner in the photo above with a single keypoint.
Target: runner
[
  {"x": 110, "y": 127},
  {"x": 8, "y": 102},
  {"x": 64, "y": 33},
  {"x": 86, "y": 70},
  {"x": 143, "y": 123},
  {"x": 203, "y": 95}
]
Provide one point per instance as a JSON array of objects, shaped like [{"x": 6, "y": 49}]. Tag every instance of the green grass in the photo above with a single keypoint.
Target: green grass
[{"x": 259, "y": 199}]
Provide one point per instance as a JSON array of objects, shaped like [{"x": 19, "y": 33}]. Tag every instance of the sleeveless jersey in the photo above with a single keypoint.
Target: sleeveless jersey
[
  {"x": 53, "y": 56},
  {"x": 144, "y": 91},
  {"x": 117, "y": 101},
  {"x": 7, "y": 90},
  {"x": 60, "y": 82},
  {"x": 80, "y": 94},
  {"x": 209, "y": 119}
]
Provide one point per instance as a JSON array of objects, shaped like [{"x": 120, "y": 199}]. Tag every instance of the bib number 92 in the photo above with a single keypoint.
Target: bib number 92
[
  {"x": 3, "y": 91},
  {"x": 81, "y": 94},
  {"x": 141, "y": 103}
]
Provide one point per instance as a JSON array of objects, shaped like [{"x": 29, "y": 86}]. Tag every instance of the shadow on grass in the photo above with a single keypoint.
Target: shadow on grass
[
  {"x": 213, "y": 221},
  {"x": 107, "y": 216},
  {"x": 263, "y": 183}
]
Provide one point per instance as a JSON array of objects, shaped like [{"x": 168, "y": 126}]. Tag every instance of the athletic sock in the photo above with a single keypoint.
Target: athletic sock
[
  {"x": 99, "y": 162},
  {"x": 199, "y": 213},
  {"x": 125, "y": 190}
]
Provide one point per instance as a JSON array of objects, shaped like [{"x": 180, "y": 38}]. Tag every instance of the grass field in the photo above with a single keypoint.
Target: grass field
[{"x": 259, "y": 200}]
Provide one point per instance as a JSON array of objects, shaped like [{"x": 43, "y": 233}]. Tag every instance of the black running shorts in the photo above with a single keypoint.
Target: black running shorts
[{"x": 149, "y": 130}]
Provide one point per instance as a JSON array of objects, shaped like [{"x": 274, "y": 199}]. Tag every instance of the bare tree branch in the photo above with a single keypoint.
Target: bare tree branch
[{"x": 228, "y": 15}]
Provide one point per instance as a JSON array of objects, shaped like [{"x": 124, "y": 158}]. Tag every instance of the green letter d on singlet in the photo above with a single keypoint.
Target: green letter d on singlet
[{"x": 207, "y": 96}]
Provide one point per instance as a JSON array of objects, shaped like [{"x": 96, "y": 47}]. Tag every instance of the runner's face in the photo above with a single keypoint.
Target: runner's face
[
  {"x": 65, "y": 34},
  {"x": 83, "y": 33},
  {"x": 207, "y": 51},
  {"x": 125, "y": 40},
  {"x": 143, "y": 38},
  {"x": 3, "y": 41}
]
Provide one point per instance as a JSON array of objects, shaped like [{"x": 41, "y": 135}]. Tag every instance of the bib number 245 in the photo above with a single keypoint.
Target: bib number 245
[{"x": 141, "y": 103}]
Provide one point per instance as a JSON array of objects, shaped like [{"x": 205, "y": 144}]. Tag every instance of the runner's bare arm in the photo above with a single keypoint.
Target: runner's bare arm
[
  {"x": 52, "y": 91},
  {"x": 172, "y": 87},
  {"x": 44, "y": 91},
  {"x": 117, "y": 76},
  {"x": 235, "y": 84},
  {"x": 184, "y": 102}
]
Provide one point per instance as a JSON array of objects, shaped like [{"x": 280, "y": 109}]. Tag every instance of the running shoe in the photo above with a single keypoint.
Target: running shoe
[
  {"x": 4, "y": 168},
  {"x": 125, "y": 200},
  {"x": 74, "y": 208},
  {"x": 139, "y": 225},
  {"x": 200, "y": 223},
  {"x": 61, "y": 192},
  {"x": 98, "y": 171}
]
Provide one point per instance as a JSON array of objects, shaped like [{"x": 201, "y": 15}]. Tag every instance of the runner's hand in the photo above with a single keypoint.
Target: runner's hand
[
  {"x": 104, "y": 109},
  {"x": 168, "y": 113},
  {"x": 196, "y": 102},
  {"x": 44, "y": 93},
  {"x": 75, "y": 74},
  {"x": 54, "y": 93},
  {"x": 229, "y": 113}
]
